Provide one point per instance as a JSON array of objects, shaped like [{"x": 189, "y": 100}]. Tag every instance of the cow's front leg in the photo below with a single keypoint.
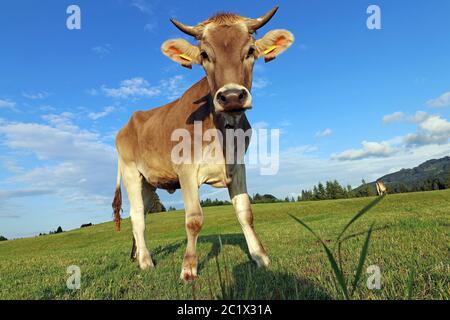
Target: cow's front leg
[
  {"x": 242, "y": 206},
  {"x": 193, "y": 223}
]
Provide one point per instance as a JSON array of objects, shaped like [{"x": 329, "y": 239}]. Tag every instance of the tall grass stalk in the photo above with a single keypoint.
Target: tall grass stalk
[{"x": 341, "y": 282}]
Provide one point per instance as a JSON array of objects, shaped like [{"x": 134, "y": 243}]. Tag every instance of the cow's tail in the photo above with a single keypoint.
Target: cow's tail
[{"x": 117, "y": 202}]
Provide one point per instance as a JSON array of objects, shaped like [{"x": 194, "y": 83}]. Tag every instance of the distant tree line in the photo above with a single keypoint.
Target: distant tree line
[
  {"x": 256, "y": 198},
  {"x": 264, "y": 198},
  {"x": 213, "y": 203},
  {"x": 2, "y": 238},
  {"x": 334, "y": 190},
  {"x": 331, "y": 190},
  {"x": 59, "y": 230},
  {"x": 429, "y": 184}
]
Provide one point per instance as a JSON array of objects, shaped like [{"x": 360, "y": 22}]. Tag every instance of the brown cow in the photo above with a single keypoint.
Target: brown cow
[
  {"x": 226, "y": 50},
  {"x": 381, "y": 187}
]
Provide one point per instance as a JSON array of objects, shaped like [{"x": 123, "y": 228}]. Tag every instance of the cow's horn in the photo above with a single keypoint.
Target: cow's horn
[
  {"x": 255, "y": 24},
  {"x": 192, "y": 31}
]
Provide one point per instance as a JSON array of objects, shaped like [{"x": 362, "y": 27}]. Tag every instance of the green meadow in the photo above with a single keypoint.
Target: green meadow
[{"x": 409, "y": 244}]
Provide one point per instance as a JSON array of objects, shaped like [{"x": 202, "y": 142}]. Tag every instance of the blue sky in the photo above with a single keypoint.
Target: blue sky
[{"x": 351, "y": 102}]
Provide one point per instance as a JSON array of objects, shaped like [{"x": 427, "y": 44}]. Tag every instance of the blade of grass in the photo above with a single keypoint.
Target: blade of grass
[
  {"x": 339, "y": 275},
  {"x": 410, "y": 283},
  {"x": 339, "y": 255},
  {"x": 337, "y": 272},
  {"x": 362, "y": 259},
  {"x": 219, "y": 273},
  {"x": 359, "y": 215}
]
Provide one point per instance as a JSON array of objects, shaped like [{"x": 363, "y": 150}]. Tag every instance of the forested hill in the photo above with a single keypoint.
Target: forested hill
[{"x": 430, "y": 175}]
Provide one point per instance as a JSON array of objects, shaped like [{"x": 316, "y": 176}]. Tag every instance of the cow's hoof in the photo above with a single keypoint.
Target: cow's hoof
[
  {"x": 262, "y": 260},
  {"x": 188, "y": 275},
  {"x": 189, "y": 269},
  {"x": 145, "y": 261}
]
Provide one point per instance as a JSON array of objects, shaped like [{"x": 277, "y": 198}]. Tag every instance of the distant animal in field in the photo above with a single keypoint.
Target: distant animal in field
[
  {"x": 227, "y": 50},
  {"x": 381, "y": 188},
  {"x": 86, "y": 225}
]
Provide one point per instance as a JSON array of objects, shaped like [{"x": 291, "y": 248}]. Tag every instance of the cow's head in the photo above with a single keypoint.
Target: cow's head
[{"x": 227, "y": 50}]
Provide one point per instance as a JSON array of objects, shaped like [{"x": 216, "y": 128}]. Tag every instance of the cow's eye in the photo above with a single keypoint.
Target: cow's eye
[
  {"x": 204, "y": 55},
  {"x": 251, "y": 52}
]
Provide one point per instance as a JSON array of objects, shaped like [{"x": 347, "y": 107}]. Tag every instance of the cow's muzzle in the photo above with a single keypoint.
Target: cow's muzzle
[{"x": 232, "y": 98}]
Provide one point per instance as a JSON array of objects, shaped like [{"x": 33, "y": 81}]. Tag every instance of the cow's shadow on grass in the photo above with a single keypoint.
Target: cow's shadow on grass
[{"x": 245, "y": 280}]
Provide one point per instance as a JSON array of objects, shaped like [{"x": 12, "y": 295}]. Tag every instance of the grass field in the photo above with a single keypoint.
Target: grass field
[{"x": 410, "y": 239}]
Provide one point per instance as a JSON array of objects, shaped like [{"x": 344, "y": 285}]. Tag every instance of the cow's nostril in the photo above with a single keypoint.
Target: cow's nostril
[
  {"x": 222, "y": 97},
  {"x": 242, "y": 95}
]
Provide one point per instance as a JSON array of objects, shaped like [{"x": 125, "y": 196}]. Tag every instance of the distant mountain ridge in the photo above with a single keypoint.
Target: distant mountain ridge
[{"x": 431, "y": 175}]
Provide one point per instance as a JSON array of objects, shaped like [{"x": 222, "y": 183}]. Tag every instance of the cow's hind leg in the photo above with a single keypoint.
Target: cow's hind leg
[
  {"x": 242, "y": 206},
  {"x": 148, "y": 192},
  {"x": 193, "y": 223},
  {"x": 133, "y": 184}
]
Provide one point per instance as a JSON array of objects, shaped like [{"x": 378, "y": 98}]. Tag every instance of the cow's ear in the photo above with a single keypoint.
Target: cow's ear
[
  {"x": 273, "y": 43},
  {"x": 181, "y": 51}
]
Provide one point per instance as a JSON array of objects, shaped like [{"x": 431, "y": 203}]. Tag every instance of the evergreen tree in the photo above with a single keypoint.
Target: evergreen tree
[
  {"x": 329, "y": 191},
  {"x": 447, "y": 183},
  {"x": 349, "y": 192},
  {"x": 155, "y": 203},
  {"x": 315, "y": 193},
  {"x": 322, "y": 195}
]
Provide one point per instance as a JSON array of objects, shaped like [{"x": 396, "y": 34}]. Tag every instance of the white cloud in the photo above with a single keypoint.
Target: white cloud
[
  {"x": 260, "y": 83},
  {"x": 97, "y": 115},
  {"x": 72, "y": 162},
  {"x": 148, "y": 8},
  {"x": 10, "y": 164},
  {"x": 419, "y": 139},
  {"x": 132, "y": 88},
  {"x": 393, "y": 117},
  {"x": 7, "y": 104},
  {"x": 62, "y": 121},
  {"x": 35, "y": 95},
  {"x": 325, "y": 133},
  {"x": 441, "y": 101},
  {"x": 143, "y": 6},
  {"x": 431, "y": 129},
  {"x": 22, "y": 193},
  {"x": 102, "y": 50},
  {"x": 369, "y": 150},
  {"x": 436, "y": 125},
  {"x": 399, "y": 116},
  {"x": 419, "y": 117},
  {"x": 136, "y": 88},
  {"x": 173, "y": 87}
]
